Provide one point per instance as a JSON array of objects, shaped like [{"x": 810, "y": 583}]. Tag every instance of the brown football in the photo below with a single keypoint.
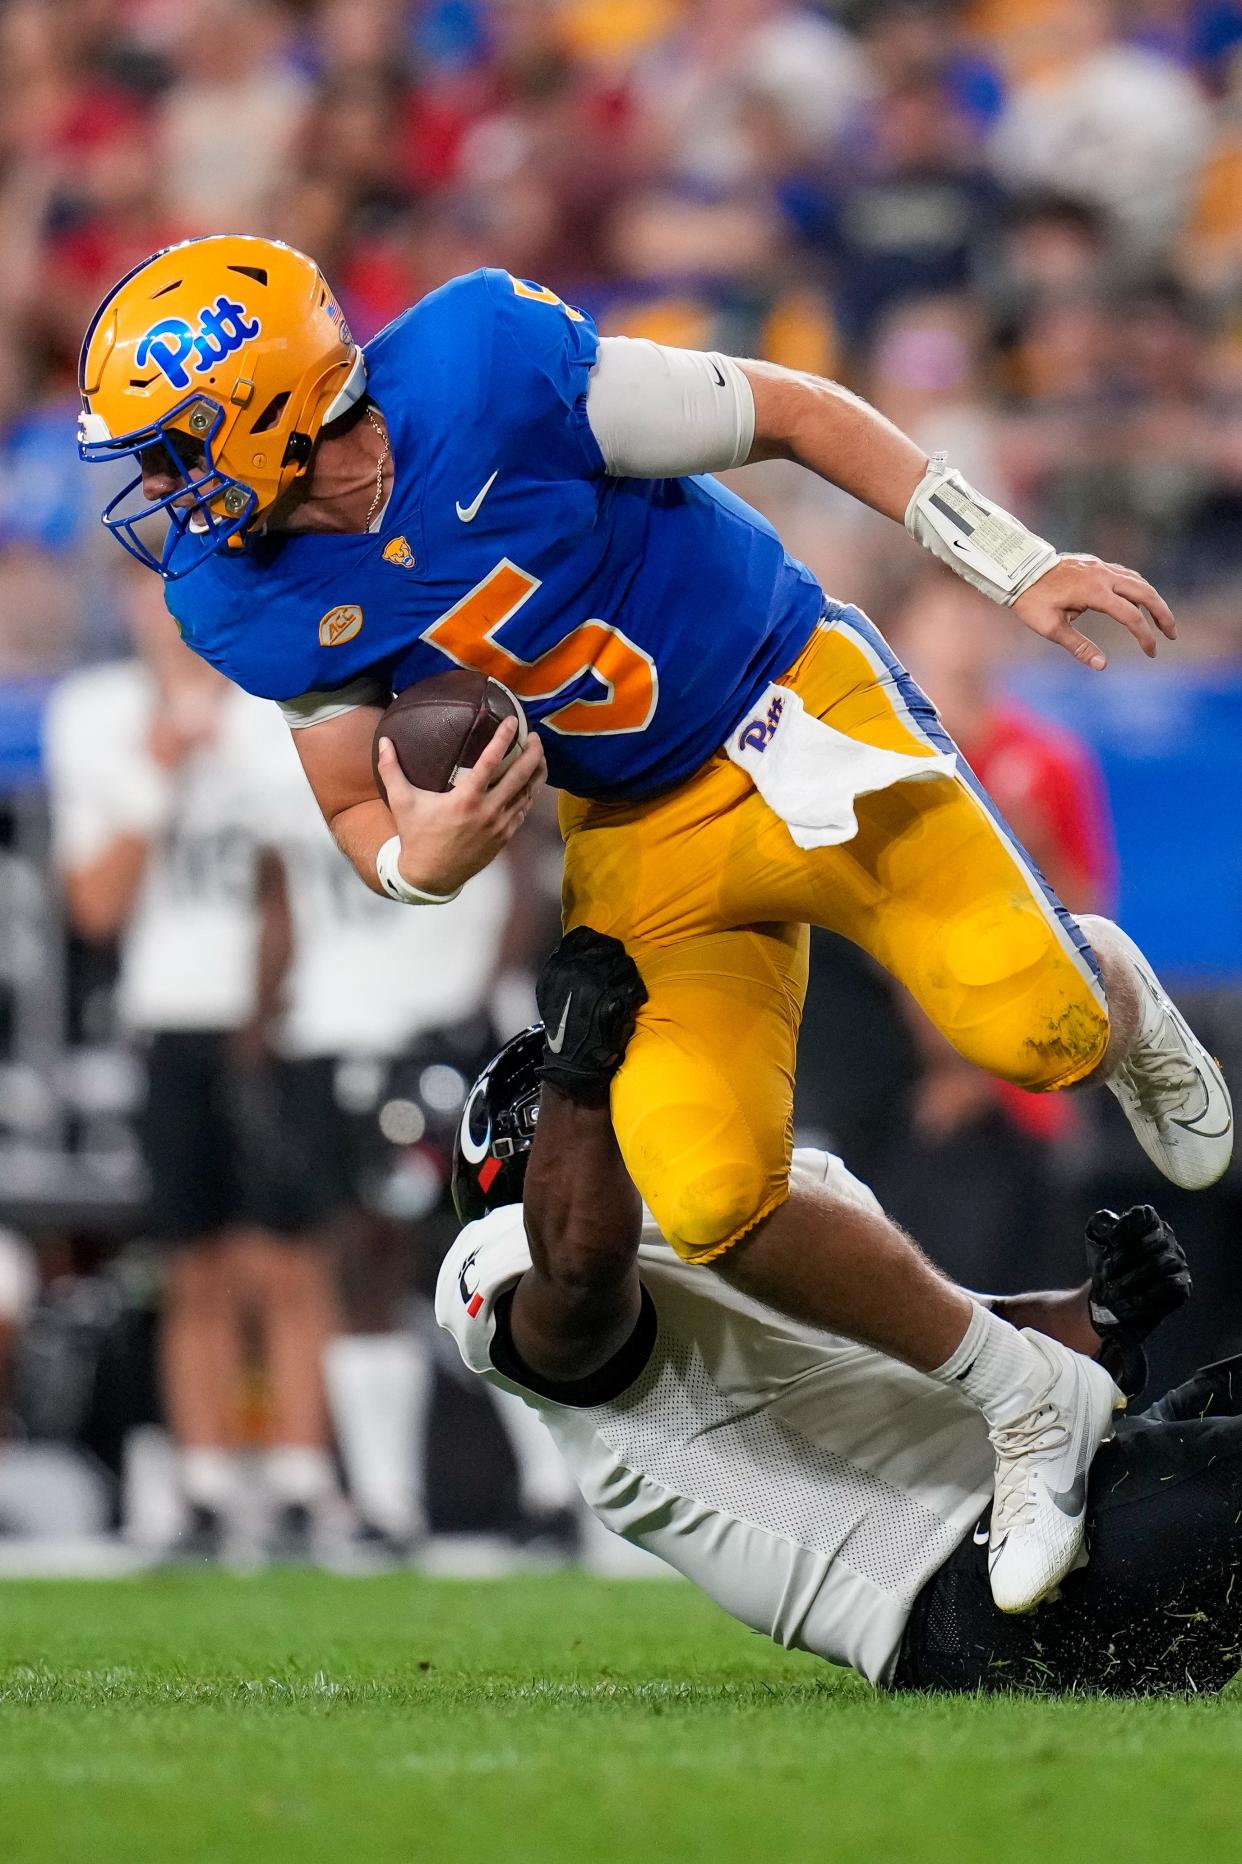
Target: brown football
[{"x": 439, "y": 726}]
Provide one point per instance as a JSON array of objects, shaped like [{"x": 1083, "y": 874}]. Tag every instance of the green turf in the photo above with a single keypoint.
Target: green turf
[{"x": 559, "y": 1718}]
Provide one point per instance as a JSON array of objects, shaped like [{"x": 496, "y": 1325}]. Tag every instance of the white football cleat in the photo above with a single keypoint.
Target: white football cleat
[
  {"x": 1171, "y": 1090},
  {"x": 1039, "y": 1513}
]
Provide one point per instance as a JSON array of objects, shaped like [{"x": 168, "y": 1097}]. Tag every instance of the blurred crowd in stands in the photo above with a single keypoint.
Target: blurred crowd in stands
[{"x": 228, "y": 1075}]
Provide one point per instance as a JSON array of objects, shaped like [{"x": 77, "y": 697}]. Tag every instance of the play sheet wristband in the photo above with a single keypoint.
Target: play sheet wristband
[{"x": 985, "y": 544}]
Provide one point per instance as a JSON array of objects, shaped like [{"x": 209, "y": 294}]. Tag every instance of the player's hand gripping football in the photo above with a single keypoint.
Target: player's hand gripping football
[
  {"x": 1139, "y": 1276},
  {"x": 589, "y": 994},
  {"x": 1075, "y": 584},
  {"x": 449, "y": 836}
]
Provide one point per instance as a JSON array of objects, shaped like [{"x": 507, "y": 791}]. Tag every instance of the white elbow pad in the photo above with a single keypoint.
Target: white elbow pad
[
  {"x": 395, "y": 884},
  {"x": 986, "y": 545},
  {"x": 661, "y": 413}
]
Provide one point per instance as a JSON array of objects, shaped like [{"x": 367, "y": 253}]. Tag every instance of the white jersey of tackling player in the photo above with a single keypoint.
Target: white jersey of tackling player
[{"x": 809, "y": 1485}]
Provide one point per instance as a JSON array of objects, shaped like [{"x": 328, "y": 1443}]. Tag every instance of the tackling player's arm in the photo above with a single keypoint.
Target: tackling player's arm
[
  {"x": 445, "y": 838},
  {"x": 578, "y": 1305},
  {"x": 1138, "y": 1277}
]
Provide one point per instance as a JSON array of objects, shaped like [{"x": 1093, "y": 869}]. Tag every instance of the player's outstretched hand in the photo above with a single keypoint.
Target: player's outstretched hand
[
  {"x": 449, "y": 836},
  {"x": 1139, "y": 1276},
  {"x": 1076, "y": 584},
  {"x": 589, "y": 994}
]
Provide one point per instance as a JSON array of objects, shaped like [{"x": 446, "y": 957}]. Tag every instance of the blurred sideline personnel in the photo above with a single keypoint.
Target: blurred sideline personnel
[
  {"x": 817, "y": 1490},
  {"x": 153, "y": 764},
  {"x": 364, "y": 989},
  {"x": 19, "y": 1288},
  {"x": 491, "y": 484}
]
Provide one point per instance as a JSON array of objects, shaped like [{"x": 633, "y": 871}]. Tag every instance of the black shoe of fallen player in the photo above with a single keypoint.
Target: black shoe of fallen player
[{"x": 589, "y": 994}]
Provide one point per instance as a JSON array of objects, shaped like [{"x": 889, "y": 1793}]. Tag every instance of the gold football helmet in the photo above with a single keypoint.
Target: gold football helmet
[{"x": 220, "y": 361}]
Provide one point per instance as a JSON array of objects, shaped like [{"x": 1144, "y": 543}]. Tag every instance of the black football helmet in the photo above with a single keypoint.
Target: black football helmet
[{"x": 497, "y": 1128}]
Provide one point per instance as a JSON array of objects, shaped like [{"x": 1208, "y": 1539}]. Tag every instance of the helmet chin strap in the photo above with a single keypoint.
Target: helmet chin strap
[{"x": 351, "y": 391}]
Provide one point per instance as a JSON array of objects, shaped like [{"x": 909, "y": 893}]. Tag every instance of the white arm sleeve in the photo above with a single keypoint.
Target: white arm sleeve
[
  {"x": 660, "y": 413},
  {"x": 315, "y": 708}
]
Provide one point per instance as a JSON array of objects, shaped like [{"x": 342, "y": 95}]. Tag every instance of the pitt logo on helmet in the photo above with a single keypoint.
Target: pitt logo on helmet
[{"x": 222, "y": 328}]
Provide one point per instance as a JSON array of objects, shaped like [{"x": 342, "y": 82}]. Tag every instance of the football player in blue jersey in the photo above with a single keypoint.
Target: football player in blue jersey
[{"x": 490, "y": 484}]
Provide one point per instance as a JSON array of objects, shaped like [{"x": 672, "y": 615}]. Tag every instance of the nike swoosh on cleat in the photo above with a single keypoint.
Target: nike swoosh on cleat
[
  {"x": 1200, "y": 1132},
  {"x": 467, "y": 513},
  {"x": 1073, "y": 1500},
  {"x": 1165, "y": 1004},
  {"x": 1193, "y": 1126},
  {"x": 554, "y": 1042}
]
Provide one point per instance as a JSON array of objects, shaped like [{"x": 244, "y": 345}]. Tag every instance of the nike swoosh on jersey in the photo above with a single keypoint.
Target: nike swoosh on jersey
[
  {"x": 467, "y": 513},
  {"x": 981, "y": 1534},
  {"x": 554, "y": 1042}
]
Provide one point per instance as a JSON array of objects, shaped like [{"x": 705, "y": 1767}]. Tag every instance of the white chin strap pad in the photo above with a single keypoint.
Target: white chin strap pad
[
  {"x": 352, "y": 390},
  {"x": 985, "y": 544}
]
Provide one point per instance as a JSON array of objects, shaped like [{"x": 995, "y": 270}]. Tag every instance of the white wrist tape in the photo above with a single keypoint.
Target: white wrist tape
[
  {"x": 395, "y": 884},
  {"x": 987, "y": 546}
]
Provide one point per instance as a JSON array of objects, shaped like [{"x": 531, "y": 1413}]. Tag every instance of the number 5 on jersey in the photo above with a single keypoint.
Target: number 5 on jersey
[{"x": 467, "y": 634}]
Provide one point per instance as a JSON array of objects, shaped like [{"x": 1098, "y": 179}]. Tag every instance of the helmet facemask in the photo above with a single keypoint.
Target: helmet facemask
[{"x": 208, "y": 504}]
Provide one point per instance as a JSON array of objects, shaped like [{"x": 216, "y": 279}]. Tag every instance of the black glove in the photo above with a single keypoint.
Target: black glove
[
  {"x": 1139, "y": 1277},
  {"x": 589, "y": 994}
]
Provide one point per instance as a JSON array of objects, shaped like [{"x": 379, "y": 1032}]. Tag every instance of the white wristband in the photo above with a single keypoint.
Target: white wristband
[
  {"x": 395, "y": 884},
  {"x": 986, "y": 545}
]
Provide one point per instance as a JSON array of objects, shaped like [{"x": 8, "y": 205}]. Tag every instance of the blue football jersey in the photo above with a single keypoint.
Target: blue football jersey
[{"x": 638, "y": 619}]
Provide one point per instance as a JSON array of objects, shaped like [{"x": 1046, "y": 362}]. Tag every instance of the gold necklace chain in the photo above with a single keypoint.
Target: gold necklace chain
[{"x": 382, "y": 431}]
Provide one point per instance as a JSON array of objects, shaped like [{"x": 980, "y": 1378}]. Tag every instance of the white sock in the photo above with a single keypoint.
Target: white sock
[
  {"x": 379, "y": 1393},
  {"x": 1151, "y": 1012},
  {"x": 299, "y": 1473},
  {"x": 994, "y": 1366},
  {"x": 209, "y": 1477},
  {"x": 544, "y": 1481}
]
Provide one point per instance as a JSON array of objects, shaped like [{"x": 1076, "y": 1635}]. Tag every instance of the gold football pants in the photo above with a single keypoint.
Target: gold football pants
[{"x": 711, "y": 895}]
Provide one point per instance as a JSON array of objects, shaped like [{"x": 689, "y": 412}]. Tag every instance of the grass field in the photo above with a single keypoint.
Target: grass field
[{"x": 545, "y": 1719}]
